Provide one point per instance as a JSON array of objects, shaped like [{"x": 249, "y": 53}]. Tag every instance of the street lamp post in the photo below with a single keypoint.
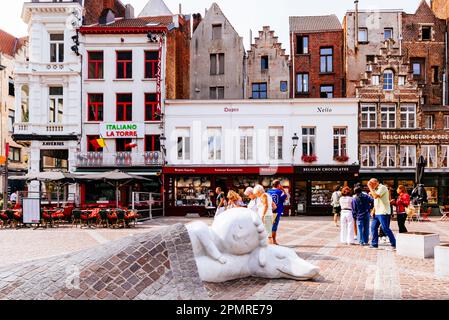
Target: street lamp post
[{"x": 295, "y": 140}]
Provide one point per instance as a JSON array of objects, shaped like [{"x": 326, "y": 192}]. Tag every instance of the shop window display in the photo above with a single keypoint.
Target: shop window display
[
  {"x": 432, "y": 195},
  {"x": 322, "y": 192},
  {"x": 301, "y": 196},
  {"x": 192, "y": 191}
]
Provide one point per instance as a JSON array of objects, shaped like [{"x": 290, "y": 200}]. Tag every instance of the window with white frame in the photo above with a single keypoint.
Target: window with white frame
[
  {"x": 446, "y": 122},
  {"x": 56, "y": 108},
  {"x": 183, "y": 142},
  {"x": 214, "y": 143},
  {"x": 388, "y": 116},
  {"x": 387, "y": 156},
  {"x": 408, "y": 156},
  {"x": 408, "y": 116},
  {"x": 363, "y": 35},
  {"x": 308, "y": 141},
  {"x": 430, "y": 154},
  {"x": 375, "y": 80},
  {"x": 369, "y": 116},
  {"x": 388, "y": 80},
  {"x": 57, "y": 47},
  {"x": 444, "y": 156},
  {"x": 340, "y": 142},
  {"x": 246, "y": 143},
  {"x": 369, "y": 156},
  {"x": 276, "y": 137},
  {"x": 11, "y": 120},
  {"x": 429, "y": 122},
  {"x": 401, "y": 81}
]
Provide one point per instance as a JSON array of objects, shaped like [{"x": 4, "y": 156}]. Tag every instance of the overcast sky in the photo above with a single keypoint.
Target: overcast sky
[{"x": 243, "y": 14}]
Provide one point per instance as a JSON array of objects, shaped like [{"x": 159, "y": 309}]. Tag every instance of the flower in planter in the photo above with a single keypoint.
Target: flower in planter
[
  {"x": 341, "y": 158},
  {"x": 309, "y": 159}
]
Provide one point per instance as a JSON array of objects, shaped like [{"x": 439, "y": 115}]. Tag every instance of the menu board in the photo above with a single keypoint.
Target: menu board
[{"x": 31, "y": 210}]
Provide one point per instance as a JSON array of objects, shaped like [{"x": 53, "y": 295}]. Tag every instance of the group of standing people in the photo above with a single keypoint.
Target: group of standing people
[
  {"x": 357, "y": 208},
  {"x": 269, "y": 205}
]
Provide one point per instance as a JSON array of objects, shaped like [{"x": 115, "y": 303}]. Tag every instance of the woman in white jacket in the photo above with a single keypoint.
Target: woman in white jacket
[{"x": 346, "y": 219}]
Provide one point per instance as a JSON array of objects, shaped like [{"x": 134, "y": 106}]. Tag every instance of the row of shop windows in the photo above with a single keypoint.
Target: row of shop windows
[
  {"x": 124, "y": 64},
  {"x": 124, "y": 107},
  {"x": 386, "y": 156}
]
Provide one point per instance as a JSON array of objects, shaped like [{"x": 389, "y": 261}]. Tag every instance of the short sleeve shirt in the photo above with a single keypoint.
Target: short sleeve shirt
[{"x": 382, "y": 204}]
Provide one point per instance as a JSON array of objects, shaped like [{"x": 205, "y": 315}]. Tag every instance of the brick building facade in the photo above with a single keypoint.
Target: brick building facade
[
  {"x": 317, "y": 57},
  {"x": 391, "y": 133},
  {"x": 268, "y": 68}
]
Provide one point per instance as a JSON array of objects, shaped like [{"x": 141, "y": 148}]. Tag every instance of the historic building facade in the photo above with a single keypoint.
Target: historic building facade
[
  {"x": 310, "y": 144},
  {"x": 217, "y": 65},
  {"x": 267, "y": 68},
  {"x": 316, "y": 57},
  {"x": 364, "y": 34},
  {"x": 47, "y": 87},
  {"x": 131, "y": 66},
  {"x": 392, "y": 133}
]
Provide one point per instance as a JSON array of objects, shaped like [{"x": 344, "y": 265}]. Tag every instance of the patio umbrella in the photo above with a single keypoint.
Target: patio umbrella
[
  {"x": 115, "y": 178},
  {"x": 420, "y": 169}
]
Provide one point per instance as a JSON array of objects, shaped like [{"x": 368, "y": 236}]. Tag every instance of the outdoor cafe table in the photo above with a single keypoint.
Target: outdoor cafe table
[{"x": 87, "y": 213}]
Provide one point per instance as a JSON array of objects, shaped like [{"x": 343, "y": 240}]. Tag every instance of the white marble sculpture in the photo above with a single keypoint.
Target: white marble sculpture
[{"x": 236, "y": 247}]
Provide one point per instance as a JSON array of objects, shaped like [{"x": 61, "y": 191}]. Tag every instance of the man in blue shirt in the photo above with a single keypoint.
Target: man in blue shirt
[
  {"x": 278, "y": 194},
  {"x": 362, "y": 204}
]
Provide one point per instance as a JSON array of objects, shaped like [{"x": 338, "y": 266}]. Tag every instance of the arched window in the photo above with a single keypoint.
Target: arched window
[{"x": 388, "y": 80}]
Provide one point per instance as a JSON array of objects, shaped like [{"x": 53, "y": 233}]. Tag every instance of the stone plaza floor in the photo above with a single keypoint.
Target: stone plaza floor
[{"x": 347, "y": 272}]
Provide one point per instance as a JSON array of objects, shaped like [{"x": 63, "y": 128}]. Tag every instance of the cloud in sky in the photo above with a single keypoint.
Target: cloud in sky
[{"x": 245, "y": 15}]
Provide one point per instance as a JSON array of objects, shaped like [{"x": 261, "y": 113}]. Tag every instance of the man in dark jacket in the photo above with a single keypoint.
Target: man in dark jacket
[{"x": 362, "y": 205}]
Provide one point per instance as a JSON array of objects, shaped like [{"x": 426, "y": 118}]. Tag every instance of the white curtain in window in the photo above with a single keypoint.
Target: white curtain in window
[
  {"x": 432, "y": 156},
  {"x": 372, "y": 156},
  {"x": 383, "y": 156},
  {"x": 365, "y": 156},
  {"x": 444, "y": 154}
]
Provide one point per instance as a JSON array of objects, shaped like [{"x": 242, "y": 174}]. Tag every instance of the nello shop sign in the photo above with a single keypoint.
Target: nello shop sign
[{"x": 122, "y": 130}]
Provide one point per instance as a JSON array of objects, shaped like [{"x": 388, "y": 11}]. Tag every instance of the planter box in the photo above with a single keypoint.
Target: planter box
[
  {"x": 442, "y": 261},
  {"x": 417, "y": 244}
]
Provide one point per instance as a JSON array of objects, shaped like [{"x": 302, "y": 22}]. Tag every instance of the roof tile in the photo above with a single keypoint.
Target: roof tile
[{"x": 315, "y": 23}]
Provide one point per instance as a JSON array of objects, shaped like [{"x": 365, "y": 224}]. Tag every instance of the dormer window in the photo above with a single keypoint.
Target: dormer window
[{"x": 388, "y": 80}]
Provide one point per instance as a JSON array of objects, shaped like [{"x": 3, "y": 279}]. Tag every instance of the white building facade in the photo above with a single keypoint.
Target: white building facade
[
  {"x": 235, "y": 144},
  {"x": 47, "y": 87}
]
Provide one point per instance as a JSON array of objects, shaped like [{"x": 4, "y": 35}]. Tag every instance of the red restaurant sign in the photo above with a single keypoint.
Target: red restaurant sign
[{"x": 263, "y": 171}]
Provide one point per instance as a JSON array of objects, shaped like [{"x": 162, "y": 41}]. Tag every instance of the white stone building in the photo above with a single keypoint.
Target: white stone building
[{"x": 47, "y": 86}]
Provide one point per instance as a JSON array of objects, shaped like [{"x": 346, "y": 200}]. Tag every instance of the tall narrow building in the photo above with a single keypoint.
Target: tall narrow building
[
  {"x": 217, "y": 58},
  {"x": 267, "y": 68}
]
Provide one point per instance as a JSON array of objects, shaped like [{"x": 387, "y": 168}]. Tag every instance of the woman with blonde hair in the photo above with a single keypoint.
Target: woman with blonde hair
[
  {"x": 265, "y": 208},
  {"x": 234, "y": 200}
]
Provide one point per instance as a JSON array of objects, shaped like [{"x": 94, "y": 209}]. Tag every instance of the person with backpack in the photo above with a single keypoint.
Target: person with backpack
[{"x": 362, "y": 205}]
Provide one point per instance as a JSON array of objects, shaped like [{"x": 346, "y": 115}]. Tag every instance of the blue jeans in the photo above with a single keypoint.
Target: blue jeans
[
  {"x": 384, "y": 221},
  {"x": 363, "y": 229}
]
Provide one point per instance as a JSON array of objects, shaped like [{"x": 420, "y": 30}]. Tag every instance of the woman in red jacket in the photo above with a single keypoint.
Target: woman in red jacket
[{"x": 401, "y": 203}]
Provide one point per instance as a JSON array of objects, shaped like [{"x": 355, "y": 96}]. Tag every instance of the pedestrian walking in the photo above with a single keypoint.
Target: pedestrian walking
[
  {"x": 401, "y": 203},
  {"x": 279, "y": 196},
  {"x": 346, "y": 219},
  {"x": 382, "y": 214},
  {"x": 362, "y": 205},
  {"x": 221, "y": 201},
  {"x": 265, "y": 210},
  {"x": 335, "y": 201}
]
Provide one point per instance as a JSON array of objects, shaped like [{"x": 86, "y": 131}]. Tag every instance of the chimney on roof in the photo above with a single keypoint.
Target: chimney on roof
[
  {"x": 196, "y": 20},
  {"x": 129, "y": 11}
]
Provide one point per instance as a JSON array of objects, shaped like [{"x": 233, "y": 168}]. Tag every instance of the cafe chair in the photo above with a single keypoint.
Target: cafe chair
[
  {"x": 112, "y": 218},
  {"x": 4, "y": 219},
  {"x": 411, "y": 214},
  {"x": 47, "y": 217},
  {"x": 58, "y": 216},
  {"x": 76, "y": 218},
  {"x": 425, "y": 214},
  {"x": 121, "y": 218},
  {"x": 103, "y": 219},
  {"x": 131, "y": 217}
]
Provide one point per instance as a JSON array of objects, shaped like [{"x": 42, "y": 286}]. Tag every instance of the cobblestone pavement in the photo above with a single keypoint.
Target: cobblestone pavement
[{"x": 347, "y": 272}]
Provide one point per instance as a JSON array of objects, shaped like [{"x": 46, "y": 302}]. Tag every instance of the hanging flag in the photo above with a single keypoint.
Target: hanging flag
[
  {"x": 101, "y": 142},
  {"x": 95, "y": 143}
]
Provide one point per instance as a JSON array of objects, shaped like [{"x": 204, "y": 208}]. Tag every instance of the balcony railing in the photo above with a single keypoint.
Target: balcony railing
[
  {"x": 119, "y": 159},
  {"x": 45, "y": 129}
]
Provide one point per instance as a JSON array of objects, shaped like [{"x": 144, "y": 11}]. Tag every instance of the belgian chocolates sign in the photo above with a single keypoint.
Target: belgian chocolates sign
[{"x": 328, "y": 171}]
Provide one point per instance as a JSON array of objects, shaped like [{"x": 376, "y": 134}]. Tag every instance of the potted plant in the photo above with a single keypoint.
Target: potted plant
[
  {"x": 309, "y": 159},
  {"x": 343, "y": 158}
]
